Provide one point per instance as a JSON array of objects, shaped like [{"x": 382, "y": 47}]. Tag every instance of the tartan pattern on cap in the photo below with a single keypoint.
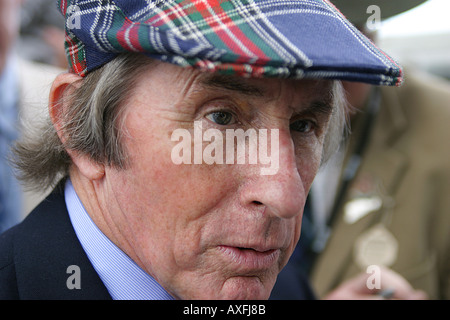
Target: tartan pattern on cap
[{"x": 265, "y": 38}]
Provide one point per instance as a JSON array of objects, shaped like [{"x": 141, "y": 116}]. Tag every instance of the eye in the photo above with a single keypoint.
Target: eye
[
  {"x": 303, "y": 126},
  {"x": 222, "y": 118}
]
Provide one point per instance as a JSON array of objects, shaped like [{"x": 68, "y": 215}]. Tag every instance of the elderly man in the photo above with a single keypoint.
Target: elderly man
[{"x": 126, "y": 221}]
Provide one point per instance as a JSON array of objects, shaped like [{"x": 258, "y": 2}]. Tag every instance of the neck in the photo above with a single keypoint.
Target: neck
[{"x": 103, "y": 210}]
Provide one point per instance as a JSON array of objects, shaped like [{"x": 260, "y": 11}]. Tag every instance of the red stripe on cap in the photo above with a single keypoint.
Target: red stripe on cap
[
  {"x": 128, "y": 36},
  {"x": 218, "y": 28},
  {"x": 63, "y": 7}
]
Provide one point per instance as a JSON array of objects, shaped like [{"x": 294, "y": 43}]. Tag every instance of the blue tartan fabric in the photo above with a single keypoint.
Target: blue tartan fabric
[{"x": 253, "y": 38}]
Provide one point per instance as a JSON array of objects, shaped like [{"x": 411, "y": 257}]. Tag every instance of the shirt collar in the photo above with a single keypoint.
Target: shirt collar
[{"x": 123, "y": 278}]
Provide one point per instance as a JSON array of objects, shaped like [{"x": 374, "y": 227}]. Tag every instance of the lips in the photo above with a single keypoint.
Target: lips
[{"x": 249, "y": 260}]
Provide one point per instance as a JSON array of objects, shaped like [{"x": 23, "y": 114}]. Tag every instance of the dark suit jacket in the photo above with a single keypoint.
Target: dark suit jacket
[
  {"x": 35, "y": 256},
  {"x": 292, "y": 284}
]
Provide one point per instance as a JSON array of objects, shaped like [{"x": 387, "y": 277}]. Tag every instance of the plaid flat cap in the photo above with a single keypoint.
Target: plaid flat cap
[{"x": 253, "y": 38}]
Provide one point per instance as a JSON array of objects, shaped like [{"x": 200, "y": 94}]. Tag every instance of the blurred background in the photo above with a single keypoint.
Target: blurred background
[
  {"x": 420, "y": 37},
  {"x": 42, "y": 33}
]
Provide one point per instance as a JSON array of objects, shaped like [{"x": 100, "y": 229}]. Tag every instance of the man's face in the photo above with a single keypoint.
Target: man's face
[{"x": 214, "y": 231}]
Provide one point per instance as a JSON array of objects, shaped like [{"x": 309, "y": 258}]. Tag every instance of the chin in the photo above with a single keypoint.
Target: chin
[{"x": 245, "y": 288}]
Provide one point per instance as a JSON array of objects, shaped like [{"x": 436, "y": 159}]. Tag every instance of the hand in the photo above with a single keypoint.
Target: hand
[{"x": 392, "y": 286}]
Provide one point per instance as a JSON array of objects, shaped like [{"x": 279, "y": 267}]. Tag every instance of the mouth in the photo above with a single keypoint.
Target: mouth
[{"x": 250, "y": 260}]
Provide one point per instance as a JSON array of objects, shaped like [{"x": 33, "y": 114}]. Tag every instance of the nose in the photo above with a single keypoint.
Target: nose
[{"x": 282, "y": 194}]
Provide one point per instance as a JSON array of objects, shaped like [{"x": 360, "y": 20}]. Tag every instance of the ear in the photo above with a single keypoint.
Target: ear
[{"x": 63, "y": 85}]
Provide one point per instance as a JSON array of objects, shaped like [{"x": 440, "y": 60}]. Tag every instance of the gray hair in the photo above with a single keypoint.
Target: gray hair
[
  {"x": 92, "y": 125},
  {"x": 338, "y": 126}
]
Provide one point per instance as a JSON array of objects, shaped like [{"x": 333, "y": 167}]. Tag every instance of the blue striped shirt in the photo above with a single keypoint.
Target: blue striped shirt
[{"x": 123, "y": 278}]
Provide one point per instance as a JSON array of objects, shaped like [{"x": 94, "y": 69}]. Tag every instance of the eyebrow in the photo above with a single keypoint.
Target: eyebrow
[
  {"x": 232, "y": 83},
  {"x": 323, "y": 106},
  {"x": 320, "y": 106}
]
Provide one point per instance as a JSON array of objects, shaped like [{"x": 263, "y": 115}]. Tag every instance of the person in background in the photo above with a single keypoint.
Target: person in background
[
  {"x": 24, "y": 89},
  {"x": 10, "y": 191},
  {"x": 383, "y": 200}
]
